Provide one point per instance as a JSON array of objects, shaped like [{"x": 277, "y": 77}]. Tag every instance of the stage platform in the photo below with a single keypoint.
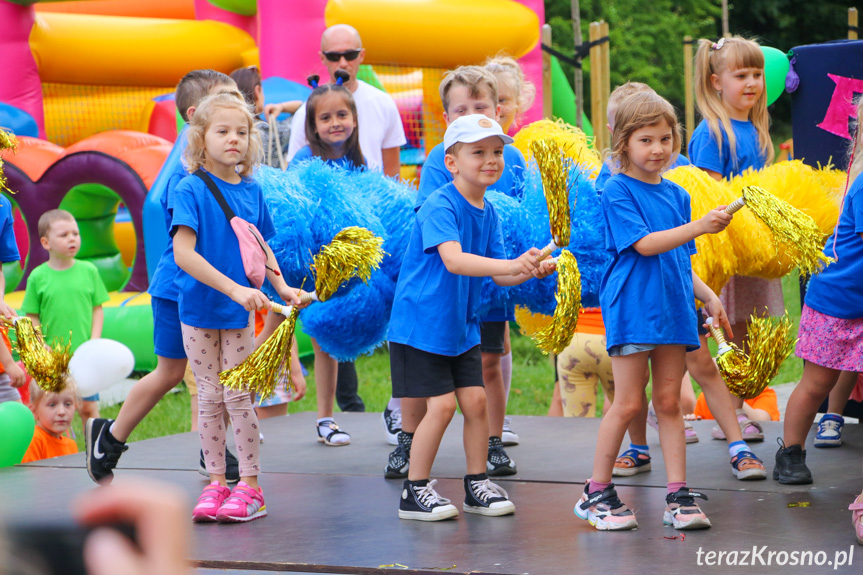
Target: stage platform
[{"x": 332, "y": 511}]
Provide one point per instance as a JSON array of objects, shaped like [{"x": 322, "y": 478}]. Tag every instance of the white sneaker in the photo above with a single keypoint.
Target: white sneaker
[{"x": 508, "y": 437}]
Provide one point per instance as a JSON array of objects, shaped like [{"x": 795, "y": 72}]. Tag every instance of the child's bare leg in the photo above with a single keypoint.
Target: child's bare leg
[
  {"x": 556, "y": 407},
  {"x": 492, "y": 378},
  {"x": 472, "y": 401},
  {"x": 687, "y": 395},
  {"x": 668, "y": 364},
  {"x": 146, "y": 393},
  {"x": 326, "y": 373},
  {"x": 429, "y": 433},
  {"x": 413, "y": 411},
  {"x": 719, "y": 399},
  {"x": 629, "y": 381},
  {"x": 838, "y": 398},
  {"x": 638, "y": 426},
  {"x": 814, "y": 386},
  {"x": 89, "y": 410}
]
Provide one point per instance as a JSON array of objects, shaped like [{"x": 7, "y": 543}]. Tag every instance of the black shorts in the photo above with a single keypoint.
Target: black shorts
[
  {"x": 491, "y": 336},
  {"x": 699, "y": 319},
  {"x": 418, "y": 373}
]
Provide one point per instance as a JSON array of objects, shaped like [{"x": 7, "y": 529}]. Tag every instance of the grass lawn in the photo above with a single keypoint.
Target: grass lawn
[{"x": 532, "y": 386}]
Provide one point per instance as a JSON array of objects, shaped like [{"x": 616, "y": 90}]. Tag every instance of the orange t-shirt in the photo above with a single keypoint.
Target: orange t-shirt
[
  {"x": 5, "y": 334},
  {"x": 766, "y": 400},
  {"x": 44, "y": 445},
  {"x": 590, "y": 321}
]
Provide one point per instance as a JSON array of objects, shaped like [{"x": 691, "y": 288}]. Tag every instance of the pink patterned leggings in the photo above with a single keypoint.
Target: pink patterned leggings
[{"x": 211, "y": 351}]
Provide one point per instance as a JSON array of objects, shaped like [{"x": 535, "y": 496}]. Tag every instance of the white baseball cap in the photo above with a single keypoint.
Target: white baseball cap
[{"x": 473, "y": 128}]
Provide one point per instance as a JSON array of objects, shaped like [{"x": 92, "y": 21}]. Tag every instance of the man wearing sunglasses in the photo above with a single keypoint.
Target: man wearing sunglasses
[{"x": 380, "y": 126}]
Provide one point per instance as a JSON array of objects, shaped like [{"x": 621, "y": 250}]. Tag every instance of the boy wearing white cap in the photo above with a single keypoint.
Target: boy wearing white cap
[{"x": 434, "y": 330}]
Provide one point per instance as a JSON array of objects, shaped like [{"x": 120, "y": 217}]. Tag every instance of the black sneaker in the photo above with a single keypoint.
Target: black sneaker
[
  {"x": 399, "y": 459},
  {"x": 791, "y": 465},
  {"x": 498, "y": 463},
  {"x": 103, "y": 450},
  {"x": 392, "y": 419},
  {"x": 421, "y": 502},
  {"x": 484, "y": 497},
  {"x": 232, "y": 467}
]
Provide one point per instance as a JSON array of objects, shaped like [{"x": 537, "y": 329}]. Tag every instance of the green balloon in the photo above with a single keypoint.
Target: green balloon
[
  {"x": 16, "y": 429},
  {"x": 776, "y": 67}
]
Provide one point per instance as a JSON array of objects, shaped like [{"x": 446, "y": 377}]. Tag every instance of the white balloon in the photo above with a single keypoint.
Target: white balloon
[{"x": 98, "y": 364}]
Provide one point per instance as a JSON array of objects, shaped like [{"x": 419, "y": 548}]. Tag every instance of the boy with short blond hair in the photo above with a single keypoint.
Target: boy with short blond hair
[
  {"x": 65, "y": 295},
  {"x": 434, "y": 332},
  {"x": 465, "y": 90}
]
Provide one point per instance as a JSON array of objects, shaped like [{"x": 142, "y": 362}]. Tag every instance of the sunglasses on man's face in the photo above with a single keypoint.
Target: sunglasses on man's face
[{"x": 349, "y": 55}]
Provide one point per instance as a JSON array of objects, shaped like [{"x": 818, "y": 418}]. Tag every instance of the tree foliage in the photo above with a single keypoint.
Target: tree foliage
[{"x": 647, "y": 37}]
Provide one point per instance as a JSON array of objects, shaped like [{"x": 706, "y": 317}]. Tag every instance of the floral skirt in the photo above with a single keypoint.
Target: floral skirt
[{"x": 830, "y": 341}]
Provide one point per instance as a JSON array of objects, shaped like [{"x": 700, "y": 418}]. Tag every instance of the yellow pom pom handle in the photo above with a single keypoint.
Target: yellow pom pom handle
[
  {"x": 719, "y": 337},
  {"x": 735, "y": 206},
  {"x": 547, "y": 250}
]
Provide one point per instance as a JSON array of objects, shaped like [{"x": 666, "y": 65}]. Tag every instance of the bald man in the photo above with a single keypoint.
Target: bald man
[{"x": 380, "y": 126}]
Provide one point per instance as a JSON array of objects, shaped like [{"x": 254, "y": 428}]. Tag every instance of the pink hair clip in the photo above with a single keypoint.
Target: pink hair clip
[{"x": 718, "y": 45}]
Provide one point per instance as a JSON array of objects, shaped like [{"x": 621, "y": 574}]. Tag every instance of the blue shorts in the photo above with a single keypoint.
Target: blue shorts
[{"x": 167, "y": 334}]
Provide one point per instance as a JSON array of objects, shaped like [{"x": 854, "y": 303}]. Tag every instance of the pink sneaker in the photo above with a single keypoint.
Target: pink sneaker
[
  {"x": 856, "y": 509},
  {"x": 244, "y": 504},
  {"x": 209, "y": 502}
]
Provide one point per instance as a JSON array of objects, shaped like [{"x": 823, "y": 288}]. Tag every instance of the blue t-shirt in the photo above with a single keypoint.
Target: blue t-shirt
[
  {"x": 435, "y": 175},
  {"x": 838, "y": 290},
  {"x": 605, "y": 172},
  {"x": 704, "y": 150},
  {"x": 646, "y": 299},
  {"x": 305, "y": 153},
  {"x": 163, "y": 284},
  {"x": 194, "y": 206},
  {"x": 435, "y": 310},
  {"x": 8, "y": 245}
]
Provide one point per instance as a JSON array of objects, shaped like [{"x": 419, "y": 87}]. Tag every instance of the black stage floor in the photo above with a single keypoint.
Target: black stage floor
[{"x": 331, "y": 510}]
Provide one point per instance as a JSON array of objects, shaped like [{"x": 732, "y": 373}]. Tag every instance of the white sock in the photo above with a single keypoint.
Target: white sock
[
  {"x": 506, "y": 372},
  {"x": 323, "y": 419},
  {"x": 737, "y": 447},
  {"x": 394, "y": 403}
]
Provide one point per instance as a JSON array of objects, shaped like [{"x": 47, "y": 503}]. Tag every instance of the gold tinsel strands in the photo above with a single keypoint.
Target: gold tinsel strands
[
  {"x": 7, "y": 142},
  {"x": 530, "y": 323},
  {"x": 732, "y": 362},
  {"x": 271, "y": 362},
  {"x": 795, "y": 233},
  {"x": 554, "y": 167},
  {"x": 49, "y": 367},
  {"x": 575, "y": 143},
  {"x": 353, "y": 252},
  {"x": 556, "y": 336},
  {"x": 770, "y": 343}
]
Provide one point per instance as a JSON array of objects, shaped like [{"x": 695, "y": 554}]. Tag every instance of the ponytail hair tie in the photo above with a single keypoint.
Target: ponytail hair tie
[
  {"x": 313, "y": 80},
  {"x": 718, "y": 45},
  {"x": 342, "y": 77}
]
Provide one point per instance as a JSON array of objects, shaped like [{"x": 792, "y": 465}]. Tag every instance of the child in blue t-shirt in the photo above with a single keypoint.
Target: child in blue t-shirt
[
  {"x": 831, "y": 332},
  {"x": 434, "y": 329},
  {"x": 216, "y": 297},
  {"x": 105, "y": 439},
  {"x": 733, "y": 137},
  {"x": 635, "y": 459},
  {"x": 333, "y": 135},
  {"x": 466, "y": 90},
  {"x": 646, "y": 299}
]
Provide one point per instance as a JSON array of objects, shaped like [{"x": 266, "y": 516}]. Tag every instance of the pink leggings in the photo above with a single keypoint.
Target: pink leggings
[{"x": 211, "y": 351}]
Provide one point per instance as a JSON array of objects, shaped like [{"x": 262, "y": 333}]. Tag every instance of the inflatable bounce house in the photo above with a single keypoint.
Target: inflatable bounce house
[{"x": 92, "y": 103}]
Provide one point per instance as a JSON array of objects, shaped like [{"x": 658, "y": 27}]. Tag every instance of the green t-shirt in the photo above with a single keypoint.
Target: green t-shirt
[{"x": 64, "y": 300}]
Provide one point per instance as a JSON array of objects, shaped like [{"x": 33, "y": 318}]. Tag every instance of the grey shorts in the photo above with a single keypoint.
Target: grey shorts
[{"x": 630, "y": 348}]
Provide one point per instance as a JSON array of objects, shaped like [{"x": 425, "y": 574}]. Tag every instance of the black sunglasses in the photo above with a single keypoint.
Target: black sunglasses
[{"x": 349, "y": 55}]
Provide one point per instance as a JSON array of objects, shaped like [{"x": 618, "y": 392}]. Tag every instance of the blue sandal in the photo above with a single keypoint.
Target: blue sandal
[{"x": 631, "y": 462}]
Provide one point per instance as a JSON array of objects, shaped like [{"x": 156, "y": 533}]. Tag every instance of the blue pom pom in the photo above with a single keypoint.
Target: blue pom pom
[{"x": 354, "y": 321}]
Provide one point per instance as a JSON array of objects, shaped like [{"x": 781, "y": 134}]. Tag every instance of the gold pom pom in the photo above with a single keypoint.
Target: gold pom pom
[
  {"x": 554, "y": 167},
  {"x": 7, "y": 142},
  {"x": 265, "y": 367},
  {"x": 49, "y": 367},
  {"x": 770, "y": 343},
  {"x": 556, "y": 336},
  {"x": 353, "y": 252}
]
